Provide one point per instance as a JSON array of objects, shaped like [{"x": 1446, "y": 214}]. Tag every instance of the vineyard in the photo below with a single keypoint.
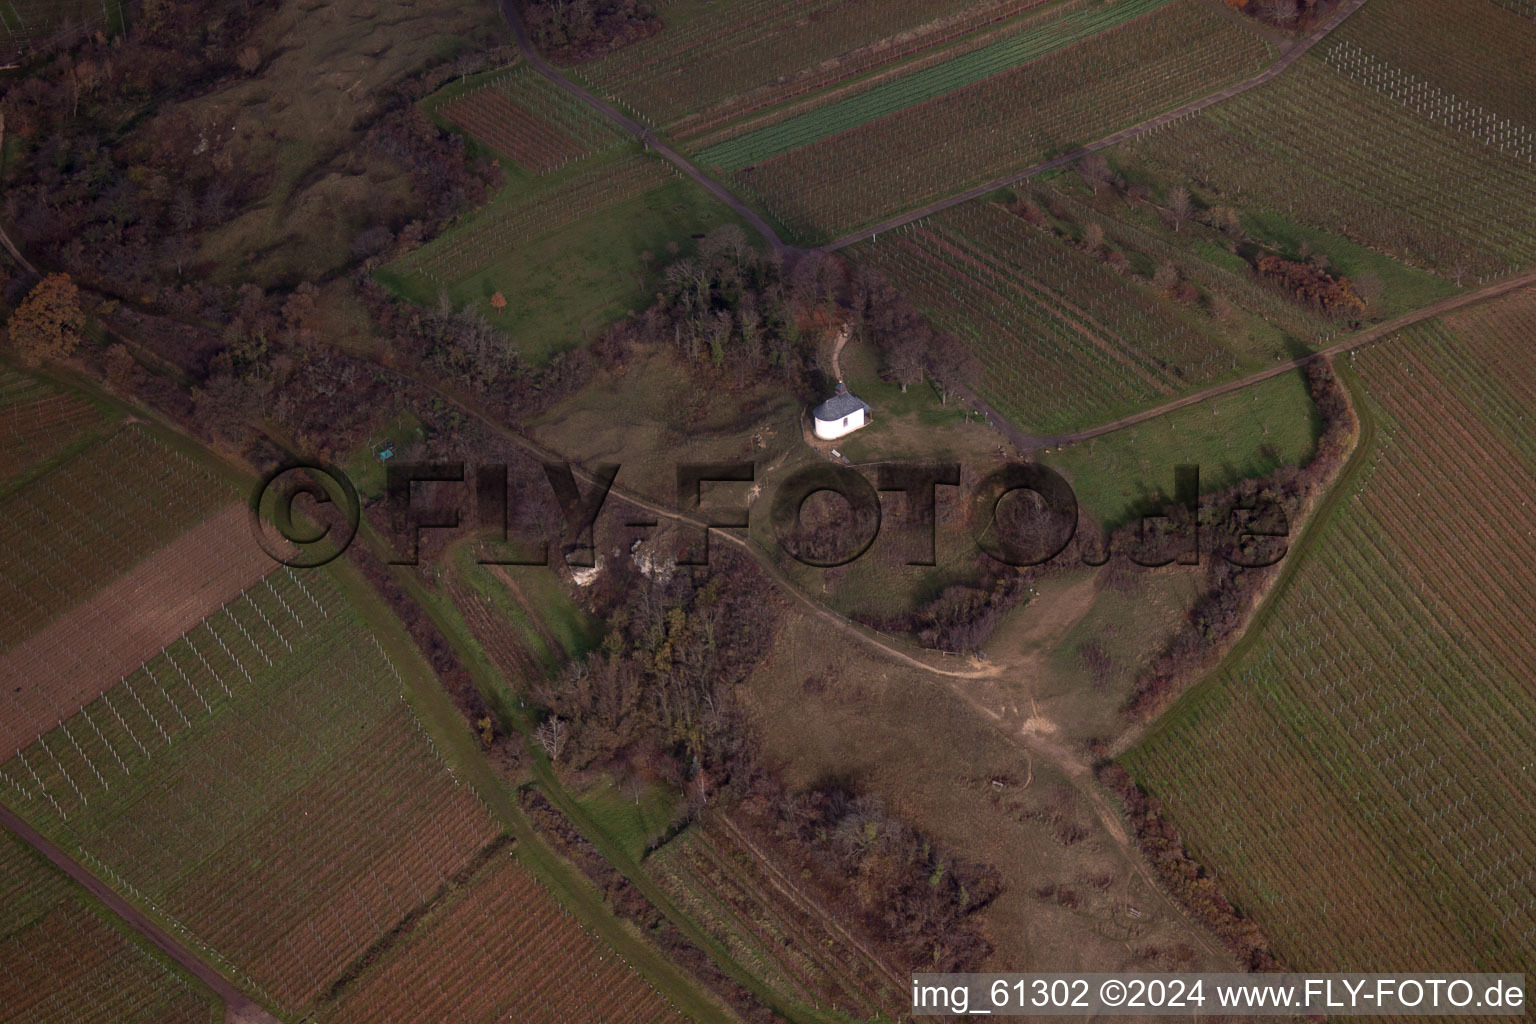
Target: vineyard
[
  {"x": 1033, "y": 42},
  {"x": 1525, "y": 7},
  {"x": 1467, "y": 47},
  {"x": 1383, "y": 720},
  {"x": 721, "y": 60},
  {"x": 1392, "y": 162},
  {"x": 37, "y": 423},
  {"x": 1062, "y": 339},
  {"x": 777, "y": 933},
  {"x": 500, "y": 949},
  {"x": 526, "y": 118},
  {"x": 69, "y": 662},
  {"x": 264, "y": 786},
  {"x": 61, "y": 963},
  {"x": 1004, "y": 123},
  {"x": 31, "y": 25},
  {"x": 66, "y": 534},
  {"x": 516, "y": 219}
]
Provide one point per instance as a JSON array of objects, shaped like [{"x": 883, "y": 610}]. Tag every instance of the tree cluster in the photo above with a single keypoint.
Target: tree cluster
[
  {"x": 1310, "y": 284},
  {"x": 659, "y": 696},
  {"x": 749, "y": 316},
  {"x": 579, "y": 30},
  {"x": 48, "y": 322},
  {"x": 913, "y": 897},
  {"x": 1288, "y": 14}
]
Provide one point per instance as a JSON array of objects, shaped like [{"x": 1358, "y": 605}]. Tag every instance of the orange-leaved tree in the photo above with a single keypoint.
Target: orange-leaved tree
[
  {"x": 48, "y": 322},
  {"x": 499, "y": 301}
]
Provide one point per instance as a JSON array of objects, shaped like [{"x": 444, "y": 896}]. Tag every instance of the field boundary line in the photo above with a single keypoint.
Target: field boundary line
[
  {"x": 236, "y": 1003},
  {"x": 1354, "y": 341},
  {"x": 640, "y": 132},
  {"x": 1189, "y": 109}
]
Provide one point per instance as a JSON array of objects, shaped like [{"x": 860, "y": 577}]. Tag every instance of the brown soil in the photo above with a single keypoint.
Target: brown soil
[{"x": 74, "y": 659}]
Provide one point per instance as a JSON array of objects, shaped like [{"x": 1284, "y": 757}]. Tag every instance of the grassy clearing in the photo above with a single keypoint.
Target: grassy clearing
[
  {"x": 325, "y": 187},
  {"x": 828, "y": 708},
  {"x": 636, "y": 815},
  {"x": 669, "y": 419},
  {"x": 1247, "y": 434},
  {"x": 570, "y": 252}
]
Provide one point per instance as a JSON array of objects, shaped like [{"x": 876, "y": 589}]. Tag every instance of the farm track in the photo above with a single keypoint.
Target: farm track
[
  {"x": 237, "y": 1006},
  {"x": 1354, "y": 341},
  {"x": 634, "y": 128}
]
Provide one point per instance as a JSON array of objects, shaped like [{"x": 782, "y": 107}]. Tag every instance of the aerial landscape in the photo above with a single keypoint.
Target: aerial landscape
[{"x": 663, "y": 511}]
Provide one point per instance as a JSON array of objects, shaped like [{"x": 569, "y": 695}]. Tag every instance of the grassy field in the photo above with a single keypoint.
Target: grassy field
[
  {"x": 1247, "y": 434},
  {"x": 932, "y": 749},
  {"x": 65, "y": 960},
  {"x": 1005, "y": 122},
  {"x": 1380, "y": 710},
  {"x": 1372, "y": 164},
  {"x": 1034, "y": 40},
  {"x": 245, "y": 780},
  {"x": 569, "y": 251}
]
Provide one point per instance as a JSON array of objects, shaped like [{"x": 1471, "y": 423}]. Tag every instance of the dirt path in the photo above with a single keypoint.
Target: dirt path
[
  {"x": 639, "y": 131},
  {"x": 837, "y": 352},
  {"x": 1354, "y": 341},
  {"x": 238, "y": 1007},
  {"x": 1290, "y": 57}
]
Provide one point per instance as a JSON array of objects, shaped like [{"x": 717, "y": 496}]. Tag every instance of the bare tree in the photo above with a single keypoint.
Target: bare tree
[
  {"x": 1094, "y": 170},
  {"x": 1180, "y": 206},
  {"x": 1093, "y": 239},
  {"x": 1370, "y": 289},
  {"x": 551, "y": 736}
]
